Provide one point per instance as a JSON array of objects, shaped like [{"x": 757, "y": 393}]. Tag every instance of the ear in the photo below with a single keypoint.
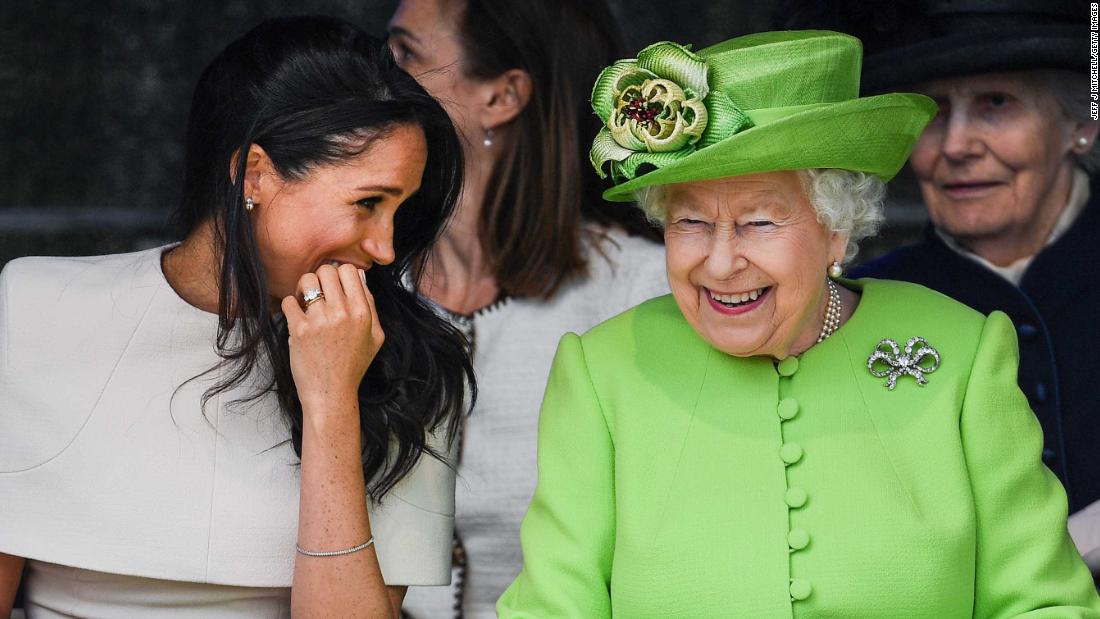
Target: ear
[
  {"x": 1087, "y": 130},
  {"x": 838, "y": 247},
  {"x": 259, "y": 171},
  {"x": 505, "y": 97}
]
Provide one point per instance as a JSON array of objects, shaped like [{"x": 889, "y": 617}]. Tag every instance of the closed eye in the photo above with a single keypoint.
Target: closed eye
[{"x": 688, "y": 224}]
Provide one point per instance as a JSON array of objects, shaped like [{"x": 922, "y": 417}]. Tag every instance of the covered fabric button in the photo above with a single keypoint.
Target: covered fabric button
[
  {"x": 800, "y": 589},
  {"x": 790, "y": 453},
  {"x": 798, "y": 539},
  {"x": 788, "y": 408},
  {"x": 788, "y": 366},
  {"x": 795, "y": 497}
]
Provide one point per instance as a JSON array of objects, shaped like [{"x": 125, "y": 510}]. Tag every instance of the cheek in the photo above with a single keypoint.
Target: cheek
[
  {"x": 284, "y": 236},
  {"x": 796, "y": 265},
  {"x": 291, "y": 246},
  {"x": 682, "y": 255},
  {"x": 441, "y": 84},
  {"x": 797, "y": 281},
  {"x": 681, "y": 258},
  {"x": 925, "y": 153},
  {"x": 434, "y": 82},
  {"x": 459, "y": 100},
  {"x": 1031, "y": 150},
  {"x": 284, "y": 257}
]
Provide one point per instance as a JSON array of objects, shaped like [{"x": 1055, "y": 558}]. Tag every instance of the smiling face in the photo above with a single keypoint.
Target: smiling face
[
  {"x": 425, "y": 40},
  {"x": 339, "y": 213},
  {"x": 995, "y": 164},
  {"x": 746, "y": 261}
]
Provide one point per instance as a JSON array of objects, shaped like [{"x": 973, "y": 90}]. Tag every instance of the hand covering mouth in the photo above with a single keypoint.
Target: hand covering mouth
[{"x": 336, "y": 264}]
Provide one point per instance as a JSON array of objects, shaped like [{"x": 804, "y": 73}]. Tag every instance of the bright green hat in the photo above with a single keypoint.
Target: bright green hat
[{"x": 757, "y": 103}]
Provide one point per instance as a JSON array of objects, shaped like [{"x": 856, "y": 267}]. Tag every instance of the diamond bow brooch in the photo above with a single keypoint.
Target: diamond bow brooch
[{"x": 894, "y": 364}]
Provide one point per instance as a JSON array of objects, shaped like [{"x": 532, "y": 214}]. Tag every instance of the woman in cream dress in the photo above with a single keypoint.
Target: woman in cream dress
[{"x": 259, "y": 419}]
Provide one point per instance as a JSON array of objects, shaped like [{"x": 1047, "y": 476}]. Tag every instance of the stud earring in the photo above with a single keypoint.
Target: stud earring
[
  {"x": 835, "y": 270},
  {"x": 249, "y": 204},
  {"x": 488, "y": 141},
  {"x": 1082, "y": 142}
]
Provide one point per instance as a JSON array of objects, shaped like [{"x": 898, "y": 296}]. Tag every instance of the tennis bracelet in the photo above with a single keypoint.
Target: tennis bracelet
[{"x": 333, "y": 553}]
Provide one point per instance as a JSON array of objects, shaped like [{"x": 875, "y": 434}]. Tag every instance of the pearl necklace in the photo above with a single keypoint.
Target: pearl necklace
[{"x": 832, "y": 312}]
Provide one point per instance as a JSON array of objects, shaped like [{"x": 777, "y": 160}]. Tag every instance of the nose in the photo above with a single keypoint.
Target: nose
[
  {"x": 961, "y": 139},
  {"x": 378, "y": 244},
  {"x": 726, "y": 257}
]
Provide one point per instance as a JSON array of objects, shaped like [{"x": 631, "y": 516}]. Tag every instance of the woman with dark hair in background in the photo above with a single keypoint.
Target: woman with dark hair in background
[
  {"x": 533, "y": 251},
  {"x": 181, "y": 448}
]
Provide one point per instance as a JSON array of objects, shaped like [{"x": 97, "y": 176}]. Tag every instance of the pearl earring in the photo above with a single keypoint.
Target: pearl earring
[
  {"x": 1082, "y": 142},
  {"x": 835, "y": 270},
  {"x": 249, "y": 204},
  {"x": 488, "y": 141}
]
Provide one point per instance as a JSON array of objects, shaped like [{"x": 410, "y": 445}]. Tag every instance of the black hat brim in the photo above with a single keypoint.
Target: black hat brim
[{"x": 957, "y": 55}]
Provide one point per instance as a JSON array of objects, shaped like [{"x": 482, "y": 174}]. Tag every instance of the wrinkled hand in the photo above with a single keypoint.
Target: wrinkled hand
[{"x": 333, "y": 342}]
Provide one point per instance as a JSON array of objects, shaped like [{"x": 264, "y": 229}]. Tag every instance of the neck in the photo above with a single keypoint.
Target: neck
[
  {"x": 458, "y": 275},
  {"x": 193, "y": 271},
  {"x": 1025, "y": 241},
  {"x": 848, "y": 302}
]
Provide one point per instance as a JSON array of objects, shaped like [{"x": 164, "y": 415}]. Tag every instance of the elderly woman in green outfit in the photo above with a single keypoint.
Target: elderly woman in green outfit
[{"x": 772, "y": 440}]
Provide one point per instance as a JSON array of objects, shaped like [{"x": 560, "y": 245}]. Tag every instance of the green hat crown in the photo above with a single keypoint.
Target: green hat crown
[{"x": 675, "y": 110}]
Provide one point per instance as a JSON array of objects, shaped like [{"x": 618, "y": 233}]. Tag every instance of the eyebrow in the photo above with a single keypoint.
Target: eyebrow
[
  {"x": 989, "y": 92},
  {"x": 393, "y": 191},
  {"x": 402, "y": 32}
]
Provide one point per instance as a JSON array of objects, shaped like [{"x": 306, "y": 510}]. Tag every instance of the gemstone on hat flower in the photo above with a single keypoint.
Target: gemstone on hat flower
[{"x": 657, "y": 116}]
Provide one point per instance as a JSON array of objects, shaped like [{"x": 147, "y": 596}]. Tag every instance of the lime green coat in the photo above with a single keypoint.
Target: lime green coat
[{"x": 670, "y": 484}]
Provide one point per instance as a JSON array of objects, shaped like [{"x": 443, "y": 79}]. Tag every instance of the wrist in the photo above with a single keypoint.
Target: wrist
[
  {"x": 331, "y": 438},
  {"x": 331, "y": 413},
  {"x": 329, "y": 397}
]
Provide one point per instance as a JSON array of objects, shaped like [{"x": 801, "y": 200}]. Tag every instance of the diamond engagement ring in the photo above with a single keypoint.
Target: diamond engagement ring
[{"x": 311, "y": 296}]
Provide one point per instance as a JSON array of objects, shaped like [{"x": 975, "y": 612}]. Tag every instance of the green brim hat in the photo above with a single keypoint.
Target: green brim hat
[{"x": 757, "y": 103}]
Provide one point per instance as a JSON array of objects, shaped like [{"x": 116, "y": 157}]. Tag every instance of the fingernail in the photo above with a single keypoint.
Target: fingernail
[{"x": 363, "y": 276}]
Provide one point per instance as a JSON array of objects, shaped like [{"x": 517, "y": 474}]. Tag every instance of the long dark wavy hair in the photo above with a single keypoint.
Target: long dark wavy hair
[
  {"x": 314, "y": 91},
  {"x": 543, "y": 188}
]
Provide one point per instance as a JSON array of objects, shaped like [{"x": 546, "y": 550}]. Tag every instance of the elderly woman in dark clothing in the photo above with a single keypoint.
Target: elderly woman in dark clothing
[{"x": 1004, "y": 171}]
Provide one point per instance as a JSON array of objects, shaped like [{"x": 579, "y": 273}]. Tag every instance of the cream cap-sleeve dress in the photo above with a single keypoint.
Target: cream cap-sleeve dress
[{"x": 126, "y": 497}]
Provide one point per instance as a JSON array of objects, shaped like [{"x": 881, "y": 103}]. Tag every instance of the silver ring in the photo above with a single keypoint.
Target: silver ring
[{"x": 311, "y": 296}]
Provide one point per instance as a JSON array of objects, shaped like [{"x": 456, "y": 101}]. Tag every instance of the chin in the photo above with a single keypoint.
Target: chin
[
  {"x": 969, "y": 221},
  {"x": 730, "y": 346},
  {"x": 969, "y": 229}
]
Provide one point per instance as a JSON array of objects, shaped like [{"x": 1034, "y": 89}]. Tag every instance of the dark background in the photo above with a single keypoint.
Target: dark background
[{"x": 94, "y": 98}]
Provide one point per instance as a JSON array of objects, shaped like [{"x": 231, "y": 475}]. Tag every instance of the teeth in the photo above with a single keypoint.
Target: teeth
[{"x": 743, "y": 297}]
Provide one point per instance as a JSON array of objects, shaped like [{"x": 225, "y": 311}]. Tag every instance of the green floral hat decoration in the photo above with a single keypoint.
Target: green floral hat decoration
[{"x": 758, "y": 103}]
